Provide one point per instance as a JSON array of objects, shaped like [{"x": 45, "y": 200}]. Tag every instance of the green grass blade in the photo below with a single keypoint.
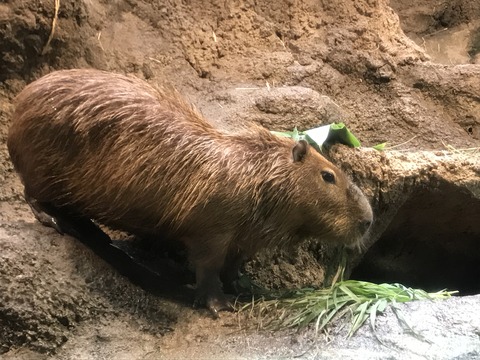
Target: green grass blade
[
  {"x": 347, "y": 291},
  {"x": 373, "y": 314},
  {"x": 360, "y": 316},
  {"x": 380, "y": 147},
  {"x": 287, "y": 134}
]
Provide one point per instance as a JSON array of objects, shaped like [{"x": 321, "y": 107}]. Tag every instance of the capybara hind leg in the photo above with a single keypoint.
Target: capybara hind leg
[
  {"x": 43, "y": 214},
  {"x": 209, "y": 291},
  {"x": 63, "y": 221}
]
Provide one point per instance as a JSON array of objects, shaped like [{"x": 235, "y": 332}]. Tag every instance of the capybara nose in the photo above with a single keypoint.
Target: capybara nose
[{"x": 365, "y": 225}]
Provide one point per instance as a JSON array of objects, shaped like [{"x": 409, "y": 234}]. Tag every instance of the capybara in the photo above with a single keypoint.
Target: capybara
[{"x": 92, "y": 145}]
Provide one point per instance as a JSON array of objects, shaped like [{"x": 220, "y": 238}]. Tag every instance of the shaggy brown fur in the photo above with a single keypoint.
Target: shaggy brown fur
[{"x": 112, "y": 148}]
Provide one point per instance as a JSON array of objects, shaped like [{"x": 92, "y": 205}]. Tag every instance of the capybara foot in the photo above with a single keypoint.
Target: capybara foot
[
  {"x": 63, "y": 222},
  {"x": 215, "y": 303},
  {"x": 42, "y": 214}
]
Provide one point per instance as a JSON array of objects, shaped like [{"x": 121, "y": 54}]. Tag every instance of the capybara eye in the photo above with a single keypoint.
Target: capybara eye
[{"x": 328, "y": 177}]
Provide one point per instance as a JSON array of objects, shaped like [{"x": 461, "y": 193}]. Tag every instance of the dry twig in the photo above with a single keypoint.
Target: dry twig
[{"x": 54, "y": 25}]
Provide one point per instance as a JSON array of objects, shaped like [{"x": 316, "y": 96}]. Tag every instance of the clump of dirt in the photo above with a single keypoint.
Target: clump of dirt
[
  {"x": 448, "y": 31},
  {"x": 281, "y": 64}
]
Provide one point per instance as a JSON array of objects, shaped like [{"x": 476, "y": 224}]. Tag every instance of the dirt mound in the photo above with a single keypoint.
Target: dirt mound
[{"x": 448, "y": 31}]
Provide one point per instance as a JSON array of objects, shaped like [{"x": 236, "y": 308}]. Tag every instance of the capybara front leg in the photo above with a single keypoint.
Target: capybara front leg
[
  {"x": 207, "y": 254},
  {"x": 209, "y": 291}
]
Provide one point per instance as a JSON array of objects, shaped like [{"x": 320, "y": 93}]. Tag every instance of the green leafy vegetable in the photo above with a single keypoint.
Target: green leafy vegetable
[
  {"x": 340, "y": 133},
  {"x": 296, "y": 134},
  {"x": 323, "y": 135}
]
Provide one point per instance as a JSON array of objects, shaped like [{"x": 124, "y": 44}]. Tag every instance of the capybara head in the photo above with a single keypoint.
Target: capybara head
[{"x": 335, "y": 209}]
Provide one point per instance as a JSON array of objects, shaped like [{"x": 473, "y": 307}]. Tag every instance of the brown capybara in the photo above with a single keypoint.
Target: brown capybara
[{"x": 96, "y": 145}]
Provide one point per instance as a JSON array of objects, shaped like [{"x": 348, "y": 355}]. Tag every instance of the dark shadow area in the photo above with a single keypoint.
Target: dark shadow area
[
  {"x": 159, "y": 268},
  {"x": 433, "y": 243}
]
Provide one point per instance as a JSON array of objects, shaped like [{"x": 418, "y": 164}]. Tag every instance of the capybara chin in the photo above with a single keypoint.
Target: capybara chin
[{"x": 96, "y": 145}]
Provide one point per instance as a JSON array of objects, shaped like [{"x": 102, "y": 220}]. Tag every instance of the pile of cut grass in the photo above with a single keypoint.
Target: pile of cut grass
[{"x": 361, "y": 300}]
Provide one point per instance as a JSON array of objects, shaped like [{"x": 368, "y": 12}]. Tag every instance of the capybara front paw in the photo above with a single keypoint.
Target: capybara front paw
[{"x": 215, "y": 303}]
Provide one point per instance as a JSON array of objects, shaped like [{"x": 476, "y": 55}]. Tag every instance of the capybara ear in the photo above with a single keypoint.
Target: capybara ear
[{"x": 300, "y": 150}]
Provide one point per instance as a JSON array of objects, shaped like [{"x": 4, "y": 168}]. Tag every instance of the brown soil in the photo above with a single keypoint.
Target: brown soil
[{"x": 282, "y": 64}]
